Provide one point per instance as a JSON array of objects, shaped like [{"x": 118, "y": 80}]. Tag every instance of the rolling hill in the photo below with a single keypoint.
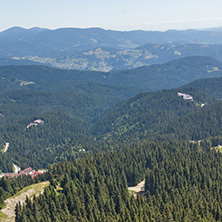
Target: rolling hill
[
  {"x": 148, "y": 78},
  {"x": 80, "y": 106},
  {"x": 18, "y": 41},
  {"x": 212, "y": 86},
  {"x": 38, "y": 145},
  {"x": 110, "y": 59},
  {"x": 149, "y": 115},
  {"x": 100, "y": 132},
  {"x": 104, "y": 50}
]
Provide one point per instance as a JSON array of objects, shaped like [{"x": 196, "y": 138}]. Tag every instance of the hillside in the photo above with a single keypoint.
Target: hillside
[
  {"x": 211, "y": 86},
  {"x": 104, "y": 50},
  {"x": 7, "y": 214},
  {"x": 140, "y": 116},
  {"x": 171, "y": 51},
  {"x": 111, "y": 59},
  {"x": 18, "y": 41},
  {"x": 38, "y": 145},
  {"x": 182, "y": 183},
  {"x": 31, "y": 90},
  {"x": 148, "y": 78},
  {"x": 78, "y": 106},
  {"x": 168, "y": 75},
  {"x": 17, "y": 104},
  {"x": 194, "y": 126},
  {"x": 99, "y": 133}
]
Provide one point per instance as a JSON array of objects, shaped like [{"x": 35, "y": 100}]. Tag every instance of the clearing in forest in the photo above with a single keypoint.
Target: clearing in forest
[
  {"x": 217, "y": 148},
  {"x": 138, "y": 189},
  {"x": 7, "y": 214},
  {"x": 4, "y": 150}
]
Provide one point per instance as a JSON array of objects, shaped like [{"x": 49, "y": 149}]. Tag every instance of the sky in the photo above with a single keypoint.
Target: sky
[{"x": 122, "y": 15}]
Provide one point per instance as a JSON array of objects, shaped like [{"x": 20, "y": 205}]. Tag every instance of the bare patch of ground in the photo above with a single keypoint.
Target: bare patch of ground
[
  {"x": 138, "y": 189},
  {"x": 5, "y": 148},
  {"x": 7, "y": 214},
  {"x": 16, "y": 168}
]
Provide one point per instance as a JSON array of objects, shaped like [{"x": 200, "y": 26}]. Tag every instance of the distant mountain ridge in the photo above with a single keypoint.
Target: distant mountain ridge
[
  {"x": 211, "y": 86},
  {"x": 105, "y": 50},
  {"x": 148, "y": 78}
]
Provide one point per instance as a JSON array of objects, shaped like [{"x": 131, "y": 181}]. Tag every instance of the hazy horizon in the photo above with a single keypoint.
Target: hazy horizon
[
  {"x": 120, "y": 15},
  {"x": 33, "y": 27}
]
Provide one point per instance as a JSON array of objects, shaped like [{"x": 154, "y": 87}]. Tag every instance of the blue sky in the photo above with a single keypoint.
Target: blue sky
[{"x": 114, "y": 14}]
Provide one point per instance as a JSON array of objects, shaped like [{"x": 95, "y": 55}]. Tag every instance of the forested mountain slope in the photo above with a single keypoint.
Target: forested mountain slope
[
  {"x": 75, "y": 101},
  {"x": 212, "y": 86},
  {"x": 18, "y": 104},
  {"x": 104, "y": 50},
  {"x": 100, "y": 132},
  {"x": 194, "y": 126},
  {"x": 166, "y": 76},
  {"x": 183, "y": 183},
  {"x": 31, "y": 90},
  {"x": 150, "y": 136},
  {"x": 40, "y": 144},
  {"x": 138, "y": 116},
  {"x": 148, "y": 78},
  {"x": 18, "y": 41}
]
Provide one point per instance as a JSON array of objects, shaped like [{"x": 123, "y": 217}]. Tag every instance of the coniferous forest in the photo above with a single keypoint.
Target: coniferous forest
[
  {"x": 183, "y": 183},
  {"x": 96, "y": 135}
]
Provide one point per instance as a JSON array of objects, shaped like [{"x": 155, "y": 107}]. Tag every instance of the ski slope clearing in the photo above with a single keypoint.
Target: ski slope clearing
[{"x": 7, "y": 214}]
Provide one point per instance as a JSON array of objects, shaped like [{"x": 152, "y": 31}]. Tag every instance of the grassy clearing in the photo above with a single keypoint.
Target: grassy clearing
[
  {"x": 132, "y": 192},
  {"x": 3, "y": 217},
  {"x": 217, "y": 148},
  {"x": 7, "y": 213}
]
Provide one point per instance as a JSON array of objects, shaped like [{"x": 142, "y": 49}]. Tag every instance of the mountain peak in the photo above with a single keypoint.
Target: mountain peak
[{"x": 14, "y": 29}]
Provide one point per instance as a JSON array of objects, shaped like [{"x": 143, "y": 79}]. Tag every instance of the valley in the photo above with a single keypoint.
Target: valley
[
  {"x": 126, "y": 125},
  {"x": 79, "y": 110},
  {"x": 85, "y": 49}
]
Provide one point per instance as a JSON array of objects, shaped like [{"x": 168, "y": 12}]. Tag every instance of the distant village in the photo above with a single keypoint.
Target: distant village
[{"x": 27, "y": 171}]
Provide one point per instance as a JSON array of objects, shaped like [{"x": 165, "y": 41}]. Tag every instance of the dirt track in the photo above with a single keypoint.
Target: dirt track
[{"x": 21, "y": 196}]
